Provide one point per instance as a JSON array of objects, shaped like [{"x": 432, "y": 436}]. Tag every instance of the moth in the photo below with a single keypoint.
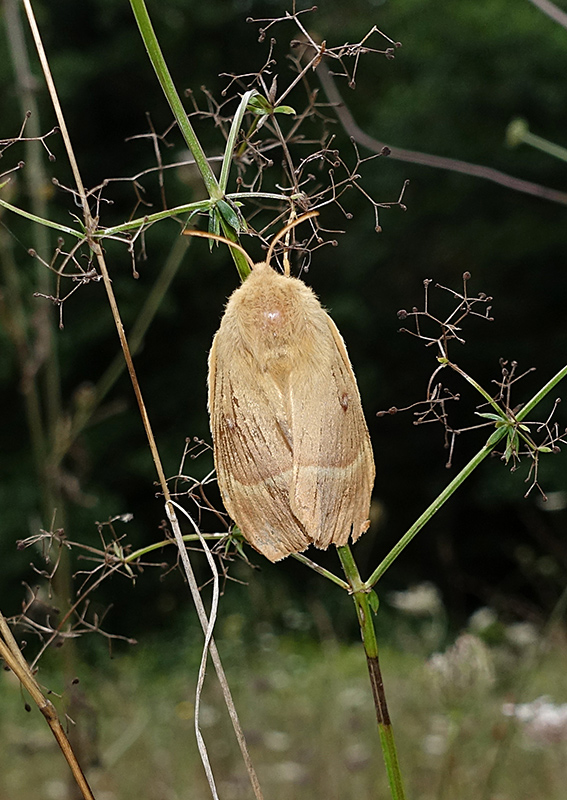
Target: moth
[{"x": 291, "y": 447}]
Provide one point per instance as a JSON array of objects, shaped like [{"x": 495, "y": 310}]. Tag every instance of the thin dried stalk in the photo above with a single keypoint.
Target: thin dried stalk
[
  {"x": 14, "y": 659},
  {"x": 90, "y": 226}
]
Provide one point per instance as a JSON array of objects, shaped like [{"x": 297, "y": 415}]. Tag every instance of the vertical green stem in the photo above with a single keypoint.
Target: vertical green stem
[
  {"x": 213, "y": 187},
  {"x": 158, "y": 62},
  {"x": 360, "y": 594}
]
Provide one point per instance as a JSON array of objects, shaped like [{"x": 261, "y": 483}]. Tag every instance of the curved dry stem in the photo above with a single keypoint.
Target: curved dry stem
[
  {"x": 213, "y": 650},
  {"x": 208, "y": 634}
]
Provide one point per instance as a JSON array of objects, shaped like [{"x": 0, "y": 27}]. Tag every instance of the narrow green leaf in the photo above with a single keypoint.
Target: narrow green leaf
[
  {"x": 214, "y": 225},
  {"x": 231, "y": 139},
  {"x": 230, "y": 215},
  {"x": 47, "y": 222},
  {"x": 511, "y": 446},
  {"x": 259, "y": 105},
  {"x": 495, "y": 437},
  {"x": 284, "y": 110},
  {"x": 373, "y": 601}
]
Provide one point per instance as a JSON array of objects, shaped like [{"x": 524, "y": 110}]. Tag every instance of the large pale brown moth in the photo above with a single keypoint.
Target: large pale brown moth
[{"x": 291, "y": 447}]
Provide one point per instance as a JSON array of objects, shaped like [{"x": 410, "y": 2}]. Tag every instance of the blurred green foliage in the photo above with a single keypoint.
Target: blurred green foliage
[
  {"x": 463, "y": 72},
  {"x": 307, "y": 711}
]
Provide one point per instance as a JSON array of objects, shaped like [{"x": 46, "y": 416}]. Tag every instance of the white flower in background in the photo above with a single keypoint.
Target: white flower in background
[
  {"x": 543, "y": 721},
  {"x": 421, "y": 600},
  {"x": 277, "y": 741},
  {"x": 522, "y": 634},
  {"x": 463, "y": 670},
  {"x": 353, "y": 697},
  {"x": 482, "y": 619},
  {"x": 288, "y": 772},
  {"x": 357, "y": 756},
  {"x": 436, "y": 741},
  {"x": 208, "y": 716}
]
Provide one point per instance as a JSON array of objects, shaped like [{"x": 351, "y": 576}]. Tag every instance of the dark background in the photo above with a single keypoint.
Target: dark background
[{"x": 463, "y": 72}]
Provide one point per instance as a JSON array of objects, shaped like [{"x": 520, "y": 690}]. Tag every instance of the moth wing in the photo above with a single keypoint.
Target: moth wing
[
  {"x": 253, "y": 453},
  {"x": 333, "y": 465}
]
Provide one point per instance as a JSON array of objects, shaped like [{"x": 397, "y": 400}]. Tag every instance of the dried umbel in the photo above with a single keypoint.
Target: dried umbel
[{"x": 292, "y": 451}]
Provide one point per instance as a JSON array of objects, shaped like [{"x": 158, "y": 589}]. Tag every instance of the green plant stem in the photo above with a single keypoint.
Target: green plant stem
[
  {"x": 193, "y": 537},
  {"x": 189, "y": 537},
  {"x": 214, "y": 189},
  {"x": 545, "y": 146},
  {"x": 188, "y": 208},
  {"x": 41, "y": 220},
  {"x": 431, "y": 510},
  {"x": 239, "y": 258},
  {"x": 141, "y": 222},
  {"x": 158, "y": 62},
  {"x": 494, "y": 439},
  {"x": 214, "y": 537},
  {"x": 490, "y": 400},
  {"x": 149, "y": 219},
  {"x": 321, "y": 570},
  {"x": 538, "y": 396},
  {"x": 125, "y": 227},
  {"x": 360, "y": 594}
]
